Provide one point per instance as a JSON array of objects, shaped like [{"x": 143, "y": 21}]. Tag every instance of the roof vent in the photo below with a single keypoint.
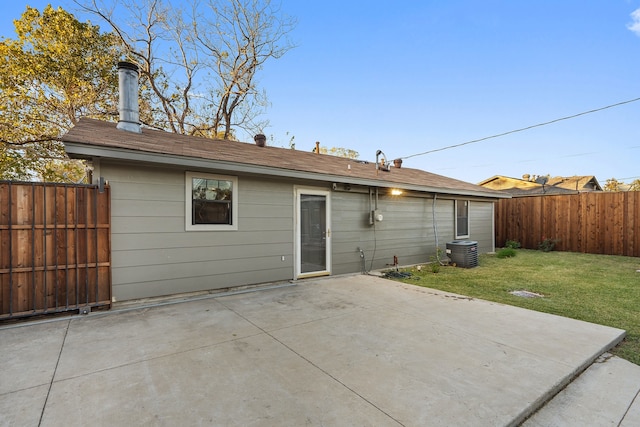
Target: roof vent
[
  {"x": 397, "y": 163},
  {"x": 128, "y": 103},
  {"x": 381, "y": 163},
  {"x": 260, "y": 140}
]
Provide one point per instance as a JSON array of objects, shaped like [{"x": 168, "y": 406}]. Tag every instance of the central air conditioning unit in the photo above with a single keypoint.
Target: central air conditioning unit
[{"x": 464, "y": 253}]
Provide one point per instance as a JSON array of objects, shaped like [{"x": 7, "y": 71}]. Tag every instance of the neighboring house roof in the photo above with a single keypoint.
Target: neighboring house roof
[
  {"x": 576, "y": 183},
  {"x": 542, "y": 185},
  {"x": 95, "y": 138}
]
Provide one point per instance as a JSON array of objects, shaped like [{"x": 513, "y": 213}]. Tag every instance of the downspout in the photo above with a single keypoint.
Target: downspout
[
  {"x": 435, "y": 227},
  {"x": 373, "y": 206},
  {"x": 372, "y": 221},
  {"x": 370, "y": 206}
]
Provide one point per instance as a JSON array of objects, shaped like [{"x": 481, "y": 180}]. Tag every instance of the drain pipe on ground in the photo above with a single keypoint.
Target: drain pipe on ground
[{"x": 363, "y": 268}]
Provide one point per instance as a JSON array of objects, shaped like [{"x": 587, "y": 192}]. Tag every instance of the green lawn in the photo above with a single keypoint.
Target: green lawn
[{"x": 600, "y": 289}]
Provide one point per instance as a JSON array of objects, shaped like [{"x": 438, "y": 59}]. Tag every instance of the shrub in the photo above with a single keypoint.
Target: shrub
[
  {"x": 547, "y": 244},
  {"x": 506, "y": 253},
  {"x": 513, "y": 244},
  {"x": 434, "y": 265}
]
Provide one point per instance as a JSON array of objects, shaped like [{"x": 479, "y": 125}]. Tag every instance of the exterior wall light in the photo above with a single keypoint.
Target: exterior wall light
[{"x": 396, "y": 192}]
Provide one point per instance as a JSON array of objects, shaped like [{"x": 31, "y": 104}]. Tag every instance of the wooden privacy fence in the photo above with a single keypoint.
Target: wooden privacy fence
[
  {"x": 597, "y": 222},
  {"x": 55, "y": 249}
]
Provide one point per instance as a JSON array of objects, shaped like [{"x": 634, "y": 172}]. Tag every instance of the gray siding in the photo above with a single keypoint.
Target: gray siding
[
  {"x": 407, "y": 231},
  {"x": 481, "y": 227},
  {"x": 153, "y": 255}
]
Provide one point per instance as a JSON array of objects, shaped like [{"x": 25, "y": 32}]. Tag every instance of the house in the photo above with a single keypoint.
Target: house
[
  {"x": 581, "y": 184},
  {"x": 192, "y": 214},
  {"x": 532, "y": 185}
]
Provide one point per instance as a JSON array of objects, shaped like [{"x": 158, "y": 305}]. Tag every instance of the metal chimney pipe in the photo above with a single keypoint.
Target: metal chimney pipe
[{"x": 128, "y": 103}]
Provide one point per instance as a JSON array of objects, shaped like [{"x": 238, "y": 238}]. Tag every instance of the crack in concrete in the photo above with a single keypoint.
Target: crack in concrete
[
  {"x": 603, "y": 358},
  {"x": 55, "y": 370},
  {"x": 629, "y": 407}
]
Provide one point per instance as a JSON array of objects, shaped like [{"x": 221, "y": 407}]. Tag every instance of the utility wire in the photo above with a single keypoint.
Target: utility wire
[{"x": 521, "y": 129}]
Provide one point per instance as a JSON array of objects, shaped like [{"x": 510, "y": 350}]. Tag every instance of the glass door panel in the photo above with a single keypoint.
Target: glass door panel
[{"x": 313, "y": 233}]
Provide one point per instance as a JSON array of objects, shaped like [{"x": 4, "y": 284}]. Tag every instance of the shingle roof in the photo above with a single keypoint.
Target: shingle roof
[
  {"x": 577, "y": 183},
  {"x": 549, "y": 186},
  {"x": 101, "y": 134}
]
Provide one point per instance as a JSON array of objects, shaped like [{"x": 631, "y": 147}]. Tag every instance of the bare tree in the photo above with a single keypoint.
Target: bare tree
[{"x": 199, "y": 63}]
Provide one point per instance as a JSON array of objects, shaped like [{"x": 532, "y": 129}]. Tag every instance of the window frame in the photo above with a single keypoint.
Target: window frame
[
  {"x": 458, "y": 218},
  {"x": 189, "y": 202}
]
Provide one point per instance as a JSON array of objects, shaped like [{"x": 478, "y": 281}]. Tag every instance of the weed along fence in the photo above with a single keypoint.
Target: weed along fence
[
  {"x": 597, "y": 222},
  {"x": 55, "y": 249}
]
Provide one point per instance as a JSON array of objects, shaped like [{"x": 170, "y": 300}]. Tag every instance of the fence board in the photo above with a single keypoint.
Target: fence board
[
  {"x": 55, "y": 248},
  {"x": 596, "y": 222}
]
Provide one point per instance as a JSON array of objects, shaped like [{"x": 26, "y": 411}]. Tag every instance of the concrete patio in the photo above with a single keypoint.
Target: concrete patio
[{"x": 347, "y": 350}]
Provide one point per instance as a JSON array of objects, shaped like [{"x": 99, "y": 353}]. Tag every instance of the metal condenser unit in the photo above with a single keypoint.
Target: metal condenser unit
[{"x": 464, "y": 253}]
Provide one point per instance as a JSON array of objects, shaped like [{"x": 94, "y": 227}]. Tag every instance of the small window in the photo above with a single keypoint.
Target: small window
[
  {"x": 211, "y": 202},
  {"x": 462, "y": 218}
]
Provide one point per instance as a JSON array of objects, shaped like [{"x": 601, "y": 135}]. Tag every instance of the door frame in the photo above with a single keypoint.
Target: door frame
[{"x": 298, "y": 191}]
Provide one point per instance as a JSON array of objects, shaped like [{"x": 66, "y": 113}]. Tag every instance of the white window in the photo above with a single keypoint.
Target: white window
[
  {"x": 462, "y": 218},
  {"x": 211, "y": 202}
]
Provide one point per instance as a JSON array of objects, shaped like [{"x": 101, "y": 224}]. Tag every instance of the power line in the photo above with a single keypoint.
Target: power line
[{"x": 521, "y": 129}]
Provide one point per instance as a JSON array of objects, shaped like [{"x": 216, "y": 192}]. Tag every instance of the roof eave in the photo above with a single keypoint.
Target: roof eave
[{"x": 81, "y": 150}]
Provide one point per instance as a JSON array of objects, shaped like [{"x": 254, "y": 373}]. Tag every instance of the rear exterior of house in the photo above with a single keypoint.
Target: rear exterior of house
[{"x": 277, "y": 227}]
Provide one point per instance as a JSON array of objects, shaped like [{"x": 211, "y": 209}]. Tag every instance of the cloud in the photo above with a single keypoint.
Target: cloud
[{"x": 635, "y": 25}]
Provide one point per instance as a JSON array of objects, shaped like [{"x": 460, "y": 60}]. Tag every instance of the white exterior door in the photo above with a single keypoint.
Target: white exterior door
[{"x": 313, "y": 233}]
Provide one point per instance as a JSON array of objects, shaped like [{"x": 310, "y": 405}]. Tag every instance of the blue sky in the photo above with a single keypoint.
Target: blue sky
[{"x": 408, "y": 77}]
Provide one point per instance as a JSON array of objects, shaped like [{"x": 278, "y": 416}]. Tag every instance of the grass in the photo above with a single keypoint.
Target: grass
[{"x": 600, "y": 289}]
